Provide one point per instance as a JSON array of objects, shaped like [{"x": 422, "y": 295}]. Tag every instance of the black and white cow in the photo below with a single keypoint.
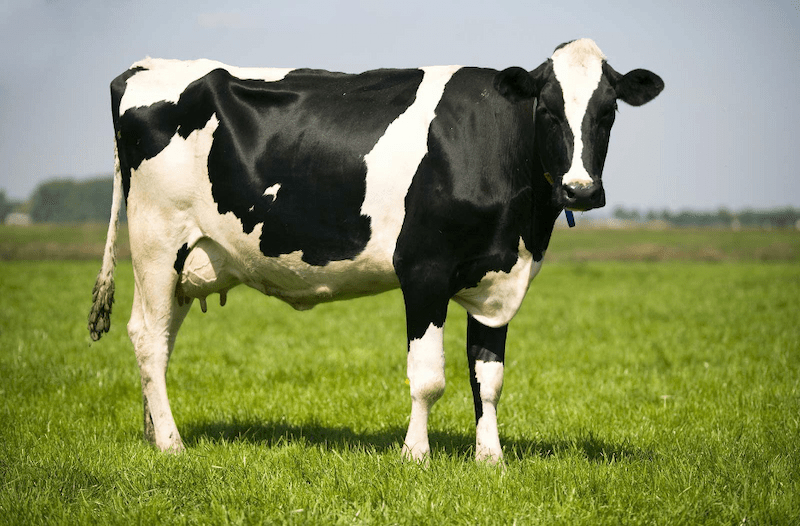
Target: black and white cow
[{"x": 314, "y": 186}]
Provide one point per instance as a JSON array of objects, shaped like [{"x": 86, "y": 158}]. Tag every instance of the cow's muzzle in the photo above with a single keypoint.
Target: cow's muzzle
[{"x": 579, "y": 197}]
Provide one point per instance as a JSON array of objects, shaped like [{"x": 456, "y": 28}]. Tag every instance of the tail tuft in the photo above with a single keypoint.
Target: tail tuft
[{"x": 102, "y": 300}]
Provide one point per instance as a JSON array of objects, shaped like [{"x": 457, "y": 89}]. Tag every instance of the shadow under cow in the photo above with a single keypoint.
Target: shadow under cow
[{"x": 585, "y": 443}]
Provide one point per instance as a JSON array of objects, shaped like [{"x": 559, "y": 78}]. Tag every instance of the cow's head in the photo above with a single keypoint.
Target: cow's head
[{"x": 576, "y": 95}]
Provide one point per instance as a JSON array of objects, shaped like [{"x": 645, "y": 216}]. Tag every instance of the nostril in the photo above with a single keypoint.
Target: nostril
[
  {"x": 578, "y": 196},
  {"x": 579, "y": 191},
  {"x": 582, "y": 191}
]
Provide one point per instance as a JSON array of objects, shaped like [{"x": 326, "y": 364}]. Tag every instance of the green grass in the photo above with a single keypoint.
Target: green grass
[
  {"x": 636, "y": 393},
  {"x": 584, "y": 243},
  {"x": 58, "y": 241},
  {"x": 687, "y": 244}
]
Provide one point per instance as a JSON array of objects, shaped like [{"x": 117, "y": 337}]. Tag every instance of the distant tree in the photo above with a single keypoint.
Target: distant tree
[
  {"x": 620, "y": 212},
  {"x": 6, "y": 206},
  {"x": 725, "y": 217},
  {"x": 69, "y": 201}
]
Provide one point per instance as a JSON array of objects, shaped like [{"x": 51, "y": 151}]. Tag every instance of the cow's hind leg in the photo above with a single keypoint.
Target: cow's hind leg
[
  {"x": 425, "y": 315},
  {"x": 156, "y": 317},
  {"x": 486, "y": 353}
]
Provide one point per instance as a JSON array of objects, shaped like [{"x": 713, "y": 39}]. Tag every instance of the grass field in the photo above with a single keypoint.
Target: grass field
[
  {"x": 86, "y": 242},
  {"x": 655, "y": 389}
]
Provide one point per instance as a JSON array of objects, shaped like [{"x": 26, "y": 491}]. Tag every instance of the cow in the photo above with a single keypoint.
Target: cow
[{"x": 314, "y": 186}]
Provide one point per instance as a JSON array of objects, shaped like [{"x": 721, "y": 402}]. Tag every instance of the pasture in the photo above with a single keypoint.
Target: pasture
[{"x": 652, "y": 378}]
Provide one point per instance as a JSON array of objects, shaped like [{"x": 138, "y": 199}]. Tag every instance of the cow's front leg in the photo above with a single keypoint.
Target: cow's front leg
[
  {"x": 425, "y": 317},
  {"x": 426, "y": 378},
  {"x": 486, "y": 348}
]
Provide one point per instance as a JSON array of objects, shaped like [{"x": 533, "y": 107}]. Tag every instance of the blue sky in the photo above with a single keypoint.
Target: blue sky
[{"x": 723, "y": 133}]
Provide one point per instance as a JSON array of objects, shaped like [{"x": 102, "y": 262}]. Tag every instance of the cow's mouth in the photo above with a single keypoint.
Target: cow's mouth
[{"x": 577, "y": 198}]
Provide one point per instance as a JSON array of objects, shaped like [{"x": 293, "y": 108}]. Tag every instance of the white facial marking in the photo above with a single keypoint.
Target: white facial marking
[
  {"x": 578, "y": 67},
  {"x": 272, "y": 191},
  {"x": 165, "y": 80}
]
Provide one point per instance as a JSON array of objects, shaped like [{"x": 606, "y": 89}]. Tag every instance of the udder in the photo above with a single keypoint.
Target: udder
[{"x": 207, "y": 270}]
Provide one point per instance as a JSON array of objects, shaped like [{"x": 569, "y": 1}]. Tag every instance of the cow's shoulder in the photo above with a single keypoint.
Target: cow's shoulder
[{"x": 470, "y": 202}]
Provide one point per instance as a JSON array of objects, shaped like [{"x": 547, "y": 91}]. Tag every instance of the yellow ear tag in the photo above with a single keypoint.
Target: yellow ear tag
[{"x": 549, "y": 178}]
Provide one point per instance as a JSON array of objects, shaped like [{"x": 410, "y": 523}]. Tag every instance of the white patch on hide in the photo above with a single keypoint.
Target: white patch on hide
[
  {"x": 487, "y": 438},
  {"x": 170, "y": 211},
  {"x": 394, "y": 160},
  {"x": 166, "y": 79},
  {"x": 426, "y": 364},
  {"x": 272, "y": 191},
  {"x": 498, "y": 296},
  {"x": 426, "y": 379},
  {"x": 490, "y": 378},
  {"x": 167, "y": 181}
]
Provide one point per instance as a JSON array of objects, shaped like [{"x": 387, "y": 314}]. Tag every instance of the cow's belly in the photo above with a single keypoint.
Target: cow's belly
[{"x": 209, "y": 268}]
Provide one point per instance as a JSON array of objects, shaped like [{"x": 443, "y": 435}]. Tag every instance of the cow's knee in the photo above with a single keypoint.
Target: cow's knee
[
  {"x": 136, "y": 322},
  {"x": 426, "y": 366}
]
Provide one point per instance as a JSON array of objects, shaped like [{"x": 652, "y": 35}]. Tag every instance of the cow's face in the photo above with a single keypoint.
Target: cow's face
[{"x": 576, "y": 95}]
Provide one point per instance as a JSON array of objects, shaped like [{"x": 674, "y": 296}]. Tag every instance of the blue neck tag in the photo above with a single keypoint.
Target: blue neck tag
[{"x": 570, "y": 218}]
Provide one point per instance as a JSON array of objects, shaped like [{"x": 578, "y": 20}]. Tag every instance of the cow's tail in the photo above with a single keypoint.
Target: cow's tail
[{"x": 103, "y": 292}]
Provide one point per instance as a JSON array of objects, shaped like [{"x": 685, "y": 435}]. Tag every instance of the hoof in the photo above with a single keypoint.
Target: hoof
[
  {"x": 172, "y": 448},
  {"x": 419, "y": 455},
  {"x": 490, "y": 458}
]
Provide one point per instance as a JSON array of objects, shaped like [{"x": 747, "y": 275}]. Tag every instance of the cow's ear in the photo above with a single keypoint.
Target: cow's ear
[
  {"x": 636, "y": 87},
  {"x": 515, "y": 84}
]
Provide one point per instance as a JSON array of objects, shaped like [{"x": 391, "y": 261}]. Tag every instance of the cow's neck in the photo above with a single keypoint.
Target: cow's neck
[{"x": 543, "y": 211}]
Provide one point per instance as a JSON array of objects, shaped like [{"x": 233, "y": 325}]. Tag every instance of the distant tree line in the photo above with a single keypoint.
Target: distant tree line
[
  {"x": 72, "y": 201},
  {"x": 723, "y": 217}
]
